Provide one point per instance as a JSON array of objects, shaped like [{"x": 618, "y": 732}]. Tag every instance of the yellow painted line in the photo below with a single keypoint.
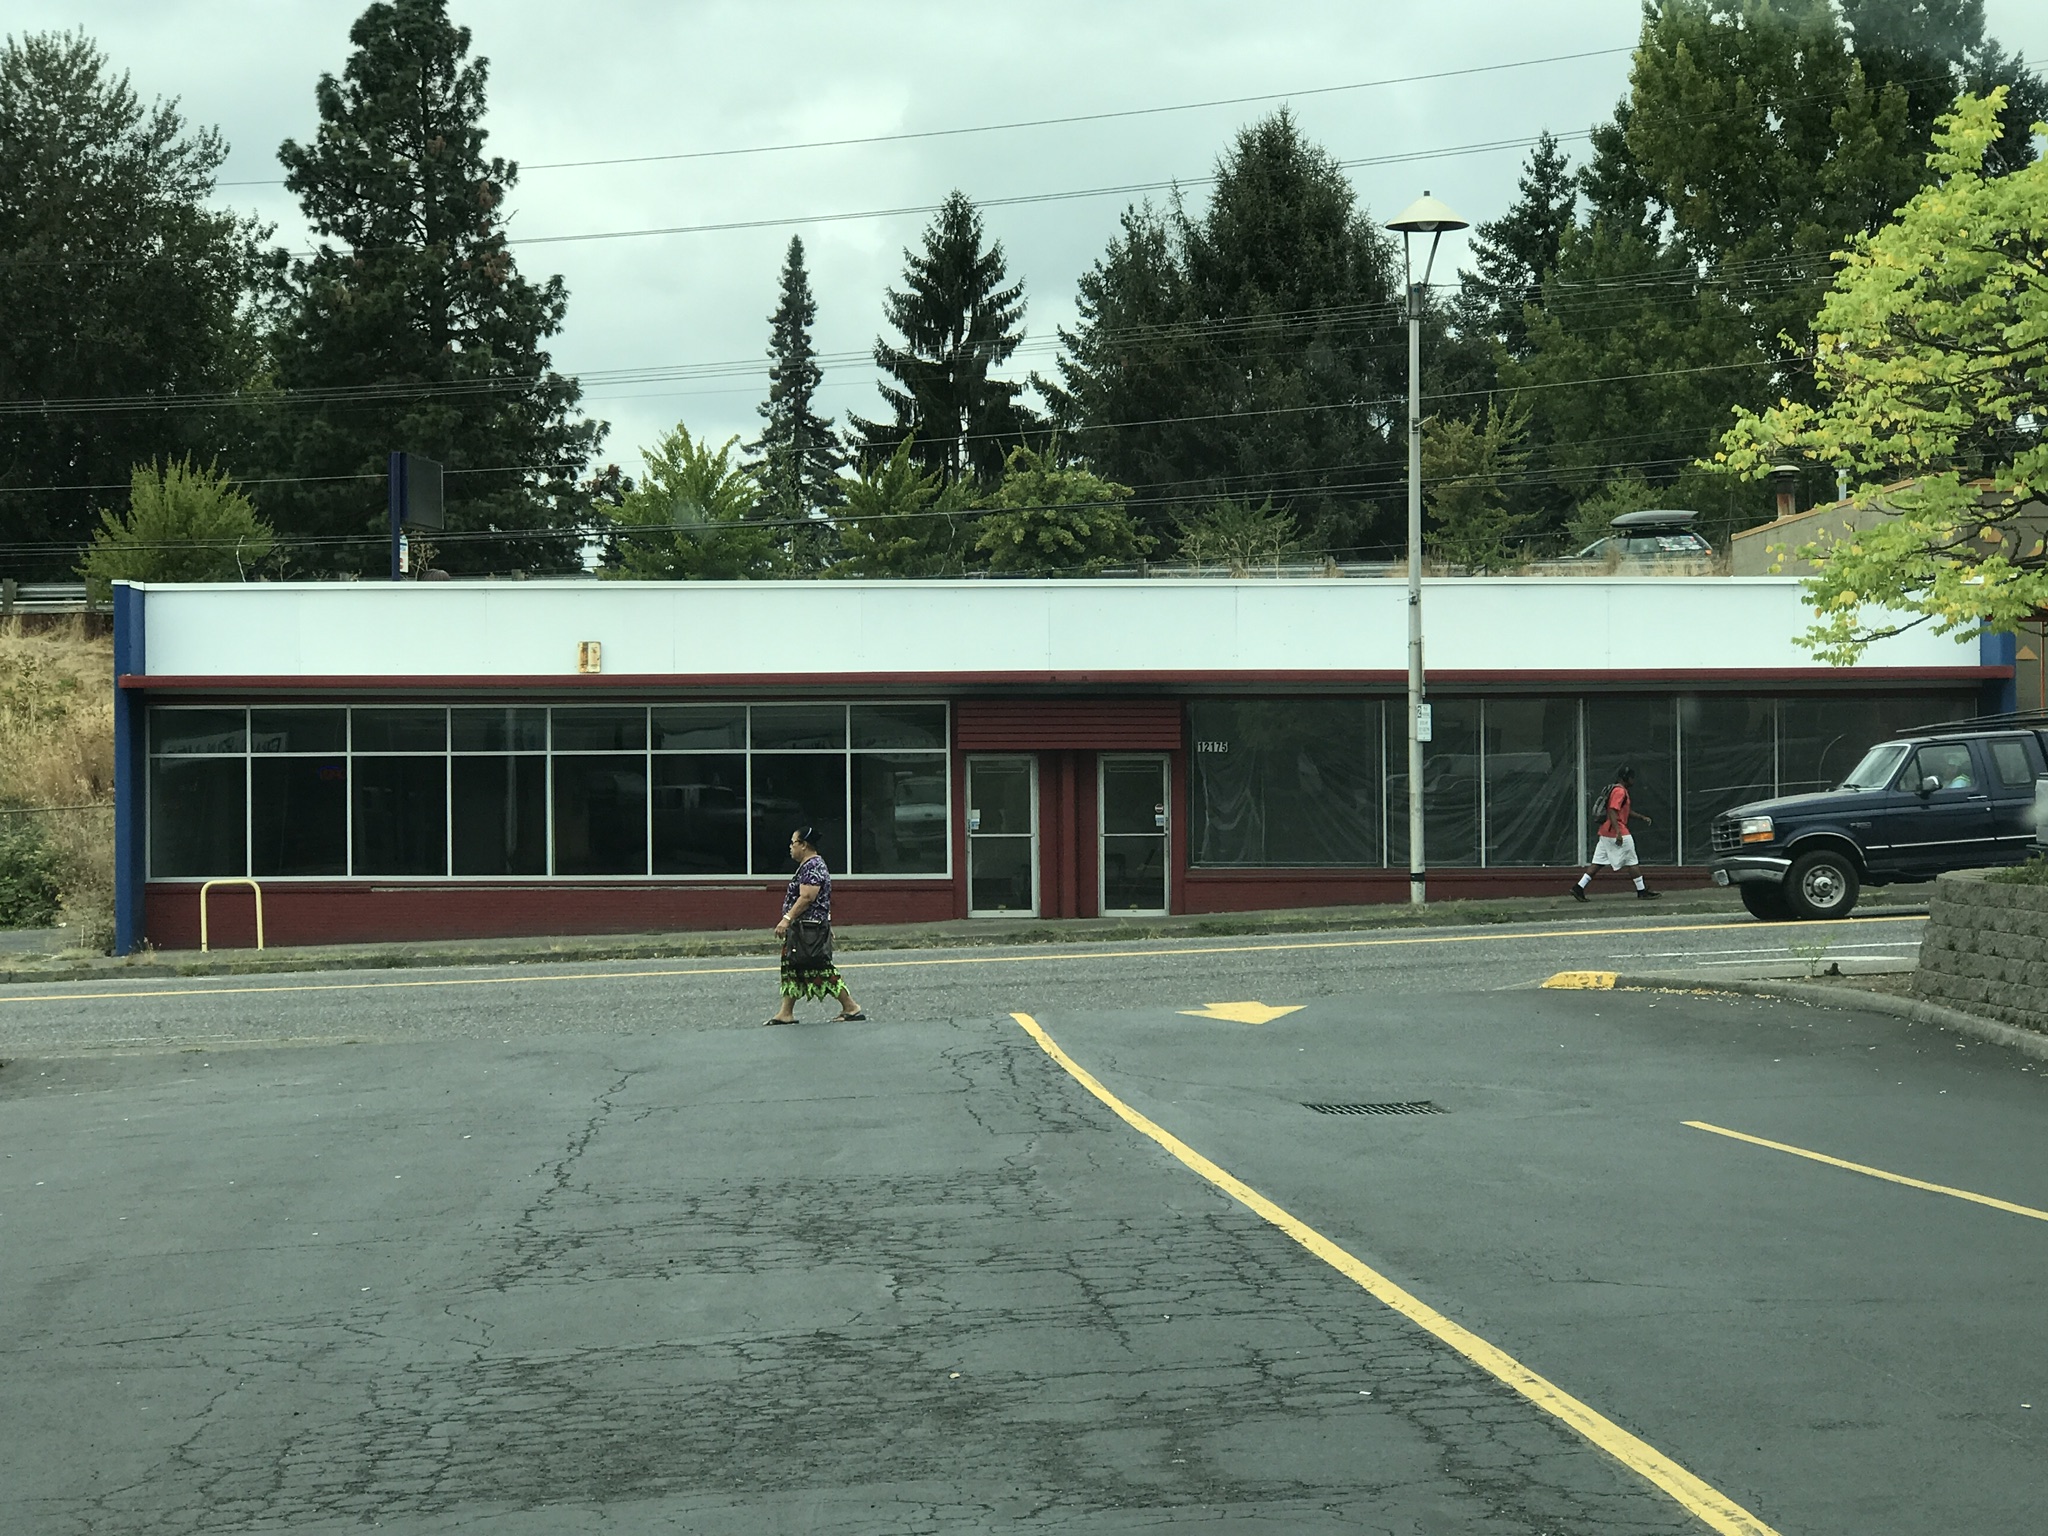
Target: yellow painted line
[
  {"x": 1875, "y": 1173},
  {"x": 1713, "y": 1507},
  {"x": 1582, "y": 981},
  {"x": 1054, "y": 953}
]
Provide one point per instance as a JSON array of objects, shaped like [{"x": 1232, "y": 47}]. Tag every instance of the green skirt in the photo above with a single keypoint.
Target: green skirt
[{"x": 807, "y": 968}]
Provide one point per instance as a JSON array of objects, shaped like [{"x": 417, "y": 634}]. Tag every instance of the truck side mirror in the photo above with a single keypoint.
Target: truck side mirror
[{"x": 1929, "y": 785}]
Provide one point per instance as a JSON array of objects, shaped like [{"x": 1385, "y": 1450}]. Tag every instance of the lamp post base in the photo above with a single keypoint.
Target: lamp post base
[{"x": 1417, "y": 889}]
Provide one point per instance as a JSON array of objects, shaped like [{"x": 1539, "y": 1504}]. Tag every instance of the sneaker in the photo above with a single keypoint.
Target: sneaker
[
  {"x": 1578, "y": 893},
  {"x": 1646, "y": 894}
]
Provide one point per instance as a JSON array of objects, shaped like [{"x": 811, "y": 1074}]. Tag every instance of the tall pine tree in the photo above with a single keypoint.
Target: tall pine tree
[
  {"x": 1251, "y": 352},
  {"x": 796, "y": 460},
  {"x": 117, "y": 278},
  {"x": 418, "y": 332},
  {"x": 1513, "y": 254},
  {"x": 960, "y": 320}
]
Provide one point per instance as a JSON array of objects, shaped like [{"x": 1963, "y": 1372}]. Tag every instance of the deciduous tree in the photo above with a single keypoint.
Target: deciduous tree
[
  {"x": 690, "y": 517},
  {"x": 1932, "y": 364},
  {"x": 181, "y": 523},
  {"x": 1051, "y": 518}
]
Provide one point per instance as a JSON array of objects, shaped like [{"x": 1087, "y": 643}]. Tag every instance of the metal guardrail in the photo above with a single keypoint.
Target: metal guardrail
[{"x": 44, "y": 597}]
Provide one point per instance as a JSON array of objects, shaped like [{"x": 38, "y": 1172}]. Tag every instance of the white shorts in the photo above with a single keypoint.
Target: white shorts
[{"x": 1615, "y": 852}]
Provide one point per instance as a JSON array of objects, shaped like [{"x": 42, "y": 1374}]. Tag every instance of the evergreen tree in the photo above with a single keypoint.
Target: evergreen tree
[
  {"x": 1513, "y": 254},
  {"x": 796, "y": 460},
  {"x": 899, "y": 520},
  {"x": 1049, "y": 518},
  {"x": 419, "y": 332},
  {"x": 1253, "y": 350},
  {"x": 959, "y": 322},
  {"x": 1469, "y": 472},
  {"x": 116, "y": 279}
]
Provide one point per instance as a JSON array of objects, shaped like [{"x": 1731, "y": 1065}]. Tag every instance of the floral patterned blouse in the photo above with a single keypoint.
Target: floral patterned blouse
[{"x": 811, "y": 872}]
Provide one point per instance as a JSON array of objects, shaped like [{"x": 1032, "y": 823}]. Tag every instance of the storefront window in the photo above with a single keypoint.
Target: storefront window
[
  {"x": 198, "y": 817},
  {"x": 798, "y": 789},
  {"x": 498, "y": 812},
  {"x": 700, "y": 810},
  {"x": 899, "y": 813},
  {"x": 1450, "y": 785},
  {"x": 1279, "y": 783},
  {"x": 399, "y": 811},
  {"x": 1532, "y": 782},
  {"x": 1728, "y": 751},
  {"x": 600, "y": 813},
  {"x": 1641, "y": 733},
  {"x": 1820, "y": 740}
]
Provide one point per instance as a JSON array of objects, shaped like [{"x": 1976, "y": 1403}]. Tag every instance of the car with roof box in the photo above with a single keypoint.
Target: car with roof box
[{"x": 1958, "y": 795}]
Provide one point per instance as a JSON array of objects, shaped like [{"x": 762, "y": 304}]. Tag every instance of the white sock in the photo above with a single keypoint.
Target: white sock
[{"x": 1639, "y": 882}]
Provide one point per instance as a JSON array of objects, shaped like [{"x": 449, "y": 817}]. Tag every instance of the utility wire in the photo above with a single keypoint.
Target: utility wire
[{"x": 1036, "y": 122}]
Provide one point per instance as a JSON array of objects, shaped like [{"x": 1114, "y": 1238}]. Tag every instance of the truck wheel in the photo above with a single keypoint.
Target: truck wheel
[
  {"x": 1822, "y": 884},
  {"x": 1766, "y": 903}
]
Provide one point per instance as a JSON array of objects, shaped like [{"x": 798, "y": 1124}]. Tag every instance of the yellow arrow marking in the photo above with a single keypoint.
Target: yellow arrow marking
[
  {"x": 1242, "y": 1013},
  {"x": 1582, "y": 981}
]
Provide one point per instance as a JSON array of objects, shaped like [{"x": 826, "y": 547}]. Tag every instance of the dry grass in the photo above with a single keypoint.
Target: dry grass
[{"x": 57, "y": 757}]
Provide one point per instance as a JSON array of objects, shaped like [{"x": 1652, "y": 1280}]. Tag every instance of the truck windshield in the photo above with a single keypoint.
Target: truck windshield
[{"x": 1877, "y": 767}]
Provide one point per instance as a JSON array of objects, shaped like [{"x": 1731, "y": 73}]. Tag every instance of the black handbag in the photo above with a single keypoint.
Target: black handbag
[{"x": 808, "y": 944}]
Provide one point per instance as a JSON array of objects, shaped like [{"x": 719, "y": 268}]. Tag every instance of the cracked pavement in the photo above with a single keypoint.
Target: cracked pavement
[{"x": 654, "y": 1270}]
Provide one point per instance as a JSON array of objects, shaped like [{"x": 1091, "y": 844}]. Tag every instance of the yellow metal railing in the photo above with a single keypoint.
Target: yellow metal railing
[{"x": 207, "y": 888}]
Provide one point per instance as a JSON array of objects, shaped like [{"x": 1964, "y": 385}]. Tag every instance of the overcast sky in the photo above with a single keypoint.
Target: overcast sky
[{"x": 604, "y": 79}]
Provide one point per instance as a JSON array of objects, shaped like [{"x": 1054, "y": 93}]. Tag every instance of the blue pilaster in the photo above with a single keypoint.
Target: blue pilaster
[
  {"x": 2001, "y": 694},
  {"x": 131, "y": 767}
]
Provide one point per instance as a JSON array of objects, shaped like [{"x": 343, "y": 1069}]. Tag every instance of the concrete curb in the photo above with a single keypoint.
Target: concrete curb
[{"x": 2025, "y": 1041}]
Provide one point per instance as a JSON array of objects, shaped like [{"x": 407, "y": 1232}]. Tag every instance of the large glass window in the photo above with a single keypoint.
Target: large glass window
[
  {"x": 1450, "y": 785},
  {"x": 600, "y": 813},
  {"x": 899, "y": 813},
  {"x": 1639, "y": 733},
  {"x": 498, "y": 808},
  {"x": 1728, "y": 757},
  {"x": 298, "y": 792},
  {"x": 700, "y": 812},
  {"x": 1285, "y": 782},
  {"x": 198, "y": 817},
  {"x": 399, "y": 809},
  {"x": 798, "y": 789},
  {"x": 1821, "y": 739},
  {"x": 1532, "y": 782}
]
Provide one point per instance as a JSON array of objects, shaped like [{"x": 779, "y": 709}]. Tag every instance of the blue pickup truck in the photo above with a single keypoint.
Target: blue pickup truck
[{"x": 1957, "y": 796}]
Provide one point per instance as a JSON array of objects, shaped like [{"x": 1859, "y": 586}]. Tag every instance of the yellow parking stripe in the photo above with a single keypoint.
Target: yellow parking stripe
[
  {"x": 1055, "y": 953},
  {"x": 1714, "y": 1508},
  {"x": 1874, "y": 1173}
]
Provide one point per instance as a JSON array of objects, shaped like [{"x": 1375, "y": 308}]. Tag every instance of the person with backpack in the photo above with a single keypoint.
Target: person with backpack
[{"x": 1616, "y": 849}]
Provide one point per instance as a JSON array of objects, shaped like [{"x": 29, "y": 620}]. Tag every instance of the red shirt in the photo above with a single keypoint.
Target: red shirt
[{"x": 1616, "y": 823}]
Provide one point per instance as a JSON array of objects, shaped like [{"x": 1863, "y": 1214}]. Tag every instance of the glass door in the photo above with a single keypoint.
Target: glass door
[
  {"x": 1002, "y": 836},
  {"x": 1134, "y": 830}
]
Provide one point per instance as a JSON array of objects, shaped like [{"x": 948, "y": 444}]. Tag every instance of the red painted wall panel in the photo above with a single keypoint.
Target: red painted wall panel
[
  {"x": 1075, "y": 725},
  {"x": 359, "y": 912}
]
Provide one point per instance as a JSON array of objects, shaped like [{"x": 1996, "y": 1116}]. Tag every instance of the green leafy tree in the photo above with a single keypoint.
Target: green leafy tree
[
  {"x": 1238, "y": 536},
  {"x": 900, "y": 520},
  {"x": 181, "y": 524},
  {"x": 1470, "y": 471},
  {"x": 796, "y": 459},
  {"x": 116, "y": 280},
  {"x": 1933, "y": 365},
  {"x": 1048, "y": 518},
  {"x": 1758, "y": 137},
  {"x": 1593, "y": 517},
  {"x": 960, "y": 319},
  {"x": 416, "y": 330},
  {"x": 1255, "y": 349},
  {"x": 690, "y": 517}
]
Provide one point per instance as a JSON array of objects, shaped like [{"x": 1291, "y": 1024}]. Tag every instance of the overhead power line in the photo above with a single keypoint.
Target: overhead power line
[{"x": 911, "y": 135}]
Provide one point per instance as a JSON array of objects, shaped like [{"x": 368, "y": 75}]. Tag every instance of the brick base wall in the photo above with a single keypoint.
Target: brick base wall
[{"x": 1985, "y": 949}]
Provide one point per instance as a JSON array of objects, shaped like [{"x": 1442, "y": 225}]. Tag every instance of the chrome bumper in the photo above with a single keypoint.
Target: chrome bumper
[{"x": 1751, "y": 869}]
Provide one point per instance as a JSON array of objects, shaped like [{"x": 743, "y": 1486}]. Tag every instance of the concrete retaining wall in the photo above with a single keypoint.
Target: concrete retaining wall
[{"x": 1985, "y": 949}]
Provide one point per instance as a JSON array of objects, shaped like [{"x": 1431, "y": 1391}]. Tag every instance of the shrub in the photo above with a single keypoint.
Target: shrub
[
  {"x": 28, "y": 876},
  {"x": 2033, "y": 872},
  {"x": 182, "y": 524}
]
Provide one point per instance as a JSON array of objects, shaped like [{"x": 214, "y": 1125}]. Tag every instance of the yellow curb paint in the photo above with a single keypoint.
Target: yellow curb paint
[
  {"x": 1242, "y": 1013},
  {"x": 1712, "y": 1507},
  {"x": 1167, "y": 947},
  {"x": 1874, "y": 1173},
  {"x": 1582, "y": 981}
]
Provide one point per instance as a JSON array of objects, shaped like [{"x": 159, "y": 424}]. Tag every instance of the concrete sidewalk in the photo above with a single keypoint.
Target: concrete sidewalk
[{"x": 1601, "y": 911}]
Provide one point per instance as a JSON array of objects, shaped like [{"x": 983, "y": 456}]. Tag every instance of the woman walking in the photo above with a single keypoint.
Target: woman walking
[{"x": 806, "y": 934}]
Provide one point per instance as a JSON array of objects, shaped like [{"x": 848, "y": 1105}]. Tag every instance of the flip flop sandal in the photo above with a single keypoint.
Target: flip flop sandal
[
  {"x": 850, "y": 1018},
  {"x": 766, "y": 1022}
]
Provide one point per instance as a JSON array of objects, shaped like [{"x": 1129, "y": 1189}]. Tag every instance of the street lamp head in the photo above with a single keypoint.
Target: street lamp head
[{"x": 1426, "y": 216}]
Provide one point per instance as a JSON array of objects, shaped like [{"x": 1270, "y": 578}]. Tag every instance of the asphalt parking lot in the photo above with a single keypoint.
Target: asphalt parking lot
[{"x": 544, "y": 1254}]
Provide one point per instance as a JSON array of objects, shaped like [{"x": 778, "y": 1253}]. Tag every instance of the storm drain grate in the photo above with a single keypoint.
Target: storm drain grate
[{"x": 1405, "y": 1107}]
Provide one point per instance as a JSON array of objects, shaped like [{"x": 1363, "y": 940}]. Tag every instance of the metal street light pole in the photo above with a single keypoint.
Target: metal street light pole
[{"x": 1425, "y": 216}]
